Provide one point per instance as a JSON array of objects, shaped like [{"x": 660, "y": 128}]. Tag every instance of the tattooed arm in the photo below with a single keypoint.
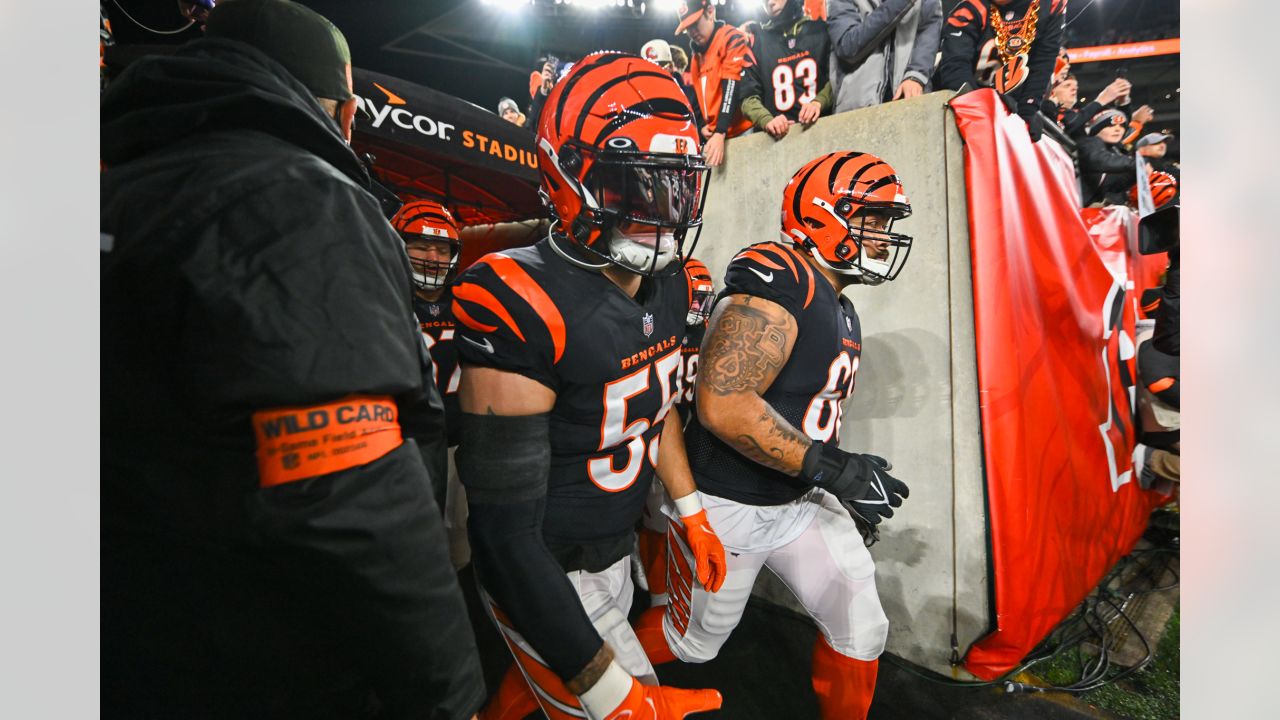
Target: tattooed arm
[{"x": 748, "y": 341}]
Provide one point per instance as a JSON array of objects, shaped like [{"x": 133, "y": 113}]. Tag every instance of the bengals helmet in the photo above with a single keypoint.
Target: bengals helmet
[
  {"x": 621, "y": 165},
  {"x": 1164, "y": 188},
  {"x": 840, "y": 208},
  {"x": 702, "y": 291},
  {"x": 424, "y": 221}
]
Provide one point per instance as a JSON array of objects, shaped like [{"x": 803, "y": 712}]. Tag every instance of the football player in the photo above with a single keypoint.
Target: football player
[
  {"x": 788, "y": 84},
  {"x": 781, "y": 355},
  {"x": 1011, "y": 45},
  {"x": 433, "y": 244},
  {"x": 651, "y": 555},
  {"x": 571, "y": 363}
]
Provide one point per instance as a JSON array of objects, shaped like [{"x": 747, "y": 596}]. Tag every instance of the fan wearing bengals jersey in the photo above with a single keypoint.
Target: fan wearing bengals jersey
[
  {"x": 1011, "y": 45},
  {"x": 788, "y": 84},
  {"x": 571, "y": 366},
  {"x": 652, "y": 541},
  {"x": 721, "y": 55},
  {"x": 781, "y": 356}
]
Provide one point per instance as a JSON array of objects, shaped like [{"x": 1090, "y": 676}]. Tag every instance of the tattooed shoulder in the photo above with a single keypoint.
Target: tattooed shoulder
[{"x": 747, "y": 347}]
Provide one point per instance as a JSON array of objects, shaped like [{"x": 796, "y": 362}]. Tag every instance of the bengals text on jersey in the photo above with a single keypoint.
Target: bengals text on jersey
[
  {"x": 792, "y": 65},
  {"x": 529, "y": 312}
]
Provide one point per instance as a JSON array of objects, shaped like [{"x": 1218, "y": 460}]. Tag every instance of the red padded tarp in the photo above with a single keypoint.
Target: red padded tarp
[{"x": 1054, "y": 313}]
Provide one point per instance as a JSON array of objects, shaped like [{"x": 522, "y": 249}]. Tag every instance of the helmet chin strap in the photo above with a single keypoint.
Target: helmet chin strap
[{"x": 570, "y": 256}]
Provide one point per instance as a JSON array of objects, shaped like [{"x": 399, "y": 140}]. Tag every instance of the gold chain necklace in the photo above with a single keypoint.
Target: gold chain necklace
[{"x": 1015, "y": 38}]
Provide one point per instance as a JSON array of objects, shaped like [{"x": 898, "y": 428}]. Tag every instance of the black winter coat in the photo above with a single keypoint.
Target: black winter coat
[
  {"x": 1104, "y": 169},
  {"x": 245, "y": 268}
]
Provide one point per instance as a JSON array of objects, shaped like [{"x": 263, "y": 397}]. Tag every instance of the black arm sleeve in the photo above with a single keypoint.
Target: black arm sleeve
[
  {"x": 729, "y": 102},
  {"x": 503, "y": 462}
]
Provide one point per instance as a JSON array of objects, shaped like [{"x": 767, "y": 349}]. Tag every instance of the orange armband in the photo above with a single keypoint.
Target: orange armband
[{"x": 305, "y": 442}]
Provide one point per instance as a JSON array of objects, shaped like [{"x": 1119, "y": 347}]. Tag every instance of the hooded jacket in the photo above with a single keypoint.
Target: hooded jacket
[
  {"x": 270, "y": 544},
  {"x": 876, "y": 44}
]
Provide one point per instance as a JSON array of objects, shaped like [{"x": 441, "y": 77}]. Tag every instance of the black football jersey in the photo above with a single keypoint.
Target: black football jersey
[
  {"x": 436, "y": 320},
  {"x": 689, "y": 357},
  {"x": 615, "y": 365},
  {"x": 791, "y": 67},
  {"x": 969, "y": 51},
  {"x": 809, "y": 391}
]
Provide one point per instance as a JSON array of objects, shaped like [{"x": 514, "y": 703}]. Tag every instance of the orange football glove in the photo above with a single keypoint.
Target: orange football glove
[
  {"x": 656, "y": 702},
  {"x": 708, "y": 553}
]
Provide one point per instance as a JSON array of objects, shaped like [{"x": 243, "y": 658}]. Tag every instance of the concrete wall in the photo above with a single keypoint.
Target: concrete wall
[{"x": 916, "y": 395}]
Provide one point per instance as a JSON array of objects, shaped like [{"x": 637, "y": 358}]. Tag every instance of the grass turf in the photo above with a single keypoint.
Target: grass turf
[{"x": 1150, "y": 694}]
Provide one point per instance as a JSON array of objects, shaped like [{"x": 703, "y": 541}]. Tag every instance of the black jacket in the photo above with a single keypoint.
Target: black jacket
[
  {"x": 245, "y": 267},
  {"x": 1104, "y": 169}
]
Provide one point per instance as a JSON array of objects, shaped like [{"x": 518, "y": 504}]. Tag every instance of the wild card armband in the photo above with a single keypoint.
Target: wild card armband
[{"x": 298, "y": 443}]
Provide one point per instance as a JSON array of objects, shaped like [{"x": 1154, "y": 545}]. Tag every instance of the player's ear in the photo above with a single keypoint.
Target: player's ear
[{"x": 347, "y": 117}]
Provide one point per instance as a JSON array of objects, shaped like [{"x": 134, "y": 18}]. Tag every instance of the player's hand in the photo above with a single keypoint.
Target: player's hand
[
  {"x": 907, "y": 89},
  {"x": 778, "y": 127},
  {"x": 708, "y": 553},
  {"x": 861, "y": 483},
  {"x": 713, "y": 151},
  {"x": 809, "y": 112},
  {"x": 657, "y": 702},
  {"x": 707, "y": 131}
]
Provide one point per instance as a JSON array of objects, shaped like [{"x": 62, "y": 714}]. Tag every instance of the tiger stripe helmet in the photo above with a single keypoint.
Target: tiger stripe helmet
[
  {"x": 702, "y": 291},
  {"x": 621, "y": 165},
  {"x": 428, "y": 221},
  {"x": 1164, "y": 188},
  {"x": 826, "y": 207}
]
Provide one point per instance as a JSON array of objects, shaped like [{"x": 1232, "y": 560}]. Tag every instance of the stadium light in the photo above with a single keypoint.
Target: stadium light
[
  {"x": 665, "y": 6},
  {"x": 507, "y": 5}
]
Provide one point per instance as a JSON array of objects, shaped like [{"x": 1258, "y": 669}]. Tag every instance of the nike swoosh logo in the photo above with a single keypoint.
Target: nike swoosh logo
[
  {"x": 877, "y": 485},
  {"x": 392, "y": 98},
  {"x": 485, "y": 346},
  {"x": 954, "y": 34},
  {"x": 767, "y": 278}
]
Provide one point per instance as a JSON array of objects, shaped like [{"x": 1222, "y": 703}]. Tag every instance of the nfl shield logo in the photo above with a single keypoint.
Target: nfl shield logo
[
  {"x": 648, "y": 324},
  {"x": 434, "y": 310}
]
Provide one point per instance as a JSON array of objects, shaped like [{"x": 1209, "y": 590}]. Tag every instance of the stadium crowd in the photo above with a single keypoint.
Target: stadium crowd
[
  {"x": 807, "y": 60},
  {"x": 329, "y": 398}
]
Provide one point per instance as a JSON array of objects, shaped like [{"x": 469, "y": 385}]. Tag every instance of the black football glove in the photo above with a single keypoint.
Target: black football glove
[{"x": 860, "y": 482}]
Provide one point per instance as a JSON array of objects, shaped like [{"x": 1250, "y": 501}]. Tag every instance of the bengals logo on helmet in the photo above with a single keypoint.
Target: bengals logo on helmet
[{"x": 682, "y": 146}]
